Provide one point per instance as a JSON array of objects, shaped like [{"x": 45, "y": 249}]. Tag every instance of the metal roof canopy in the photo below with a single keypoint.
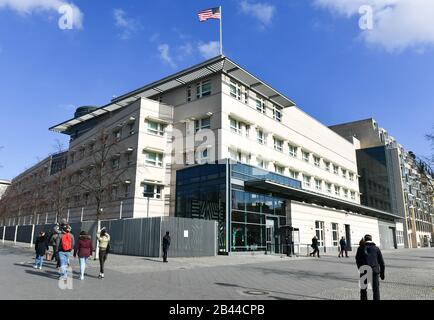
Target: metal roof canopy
[
  {"x": 197, "y": 72},
  {"x": 316, "y": 198}
]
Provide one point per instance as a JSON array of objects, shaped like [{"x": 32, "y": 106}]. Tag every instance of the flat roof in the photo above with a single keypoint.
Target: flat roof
[
  {"x": 319, "y": 199},
  {"x": 212, "y": 66}
]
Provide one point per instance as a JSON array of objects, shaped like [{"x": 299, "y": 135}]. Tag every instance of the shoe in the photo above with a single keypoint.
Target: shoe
[
  {"x": 102, "y": 275},
  {"x": 40, "y": 268},
  {"x": 35, "y": 267},
  {"x": 81, "y": 277}
]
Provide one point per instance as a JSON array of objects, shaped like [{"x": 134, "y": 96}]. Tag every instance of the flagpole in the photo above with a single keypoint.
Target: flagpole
[{"x": 221, "y": 31}]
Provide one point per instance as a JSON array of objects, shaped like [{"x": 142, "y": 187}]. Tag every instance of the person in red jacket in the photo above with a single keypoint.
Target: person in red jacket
[{"x": 83, "y": 249}]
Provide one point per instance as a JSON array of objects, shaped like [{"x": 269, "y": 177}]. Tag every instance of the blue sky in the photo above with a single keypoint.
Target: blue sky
[{"x": 311, "y": 50}]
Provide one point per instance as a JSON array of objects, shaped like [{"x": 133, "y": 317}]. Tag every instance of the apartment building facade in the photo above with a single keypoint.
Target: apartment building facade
[
  {"x": 393, "y": 179},
  {"x": 4, "y": 184},
  {"x": 215, "y": 142}
]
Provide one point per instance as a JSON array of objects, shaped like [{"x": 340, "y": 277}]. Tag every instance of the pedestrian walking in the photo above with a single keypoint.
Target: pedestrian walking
[
  {"x": 368, "y": 254},
  {"x": 314, "y": 246},
  {"x": 343, "y": 248},
  {"x": 166, "y": 245},
  {"x": 41, "y": 247},
  {"x": 53, "y": 243},
  {"x": 83, "y": 249},
  {"x": 104, "y": 246},
  {"x": 65, "y": 244}
]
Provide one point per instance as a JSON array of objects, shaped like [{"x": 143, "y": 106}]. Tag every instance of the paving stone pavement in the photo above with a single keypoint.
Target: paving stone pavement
[{"x": 409, "y": 275}]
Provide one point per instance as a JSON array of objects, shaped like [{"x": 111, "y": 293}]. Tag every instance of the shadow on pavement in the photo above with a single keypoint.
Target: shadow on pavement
[{"x": 153, "y": 260}]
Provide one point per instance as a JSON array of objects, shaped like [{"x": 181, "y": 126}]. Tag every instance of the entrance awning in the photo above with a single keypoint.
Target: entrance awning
[{"x": 318, "y": 199}]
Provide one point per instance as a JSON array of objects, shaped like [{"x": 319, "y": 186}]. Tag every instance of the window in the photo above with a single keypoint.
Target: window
[
  {"x": 344, "y": 173},
  {"x": 188, "y": 93},
  {"x": 203, "y": 89},
  {"x": 327, "y": 165},
  {"x": 155, "y": 128},
  {"x": 351, "y": 176},
  {"x": 261, "y": 163},
  {"x": 318, "y": 184},
  {"x": 154, "y": 158},
  {"x": 115, "y": 163},
  {"x": 129, "y": 159},
  {"x": 117, "y": 135},
  {"x": 337, "y": 190},
  {"x": 235, "y": 155},
  {"x": 335, "y": 169},
  {"x": 279, "y": 169},
  {"x": 292, "y": 151},
  {"x": 335, "y": 234},
  {"x": 278, "y": 144},
  {"x": 319, "y": 231},
  {"x": 131, "y": 128},
  {"x": 329, "y": 187},
  {"x": 306, "y": 181},
  {"x": 152, "y": 191},
  {"x": 316, "y": 161},
  {"x": 260, "y": 105},
  {"x": 202, "y": 124},
  {"x": 235, "y": 90},
  {"x": 306, "y": 156},
  {"x": 127, "y": 190},
  {"x": 261, "y": 136},
  {"x": 293, "y": 174},
  {"x": 235, "y": 126},
  {"x": 345, "y": 193},
  {"x": 353, "y": 195},
  {"x": 277, "y": 113}
]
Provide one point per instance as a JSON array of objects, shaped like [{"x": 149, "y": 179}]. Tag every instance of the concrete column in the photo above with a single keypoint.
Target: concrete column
[
  {"x": 16, "y": 231},
  {"x": 120, "y": 209},
  {"x": 4, "y": 234},
  {"x": 82, "y": 214},
  {"x": 33, "y": 235}
]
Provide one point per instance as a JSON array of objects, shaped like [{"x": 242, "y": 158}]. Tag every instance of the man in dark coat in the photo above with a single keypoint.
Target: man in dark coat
[
  {"x": 368, "y": 254},
  {"x": 166, "y": 245},
  {"x": 314, "y": 246},
  {"x": 343, "y": 248},
  {"x": 41, "y": 247}
]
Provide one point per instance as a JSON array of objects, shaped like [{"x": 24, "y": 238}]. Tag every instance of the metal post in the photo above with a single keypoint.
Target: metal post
[
  {"x": 120, "y": 210},
  {"x": 221, "y": 31},
  {"x": 37, "y": 219},
  {"x": 4, "y": 234},
  {"x": 16, "y": 231},
  {"x": 82, "y": 214},
  {"x": 148, "y": 208},
  {"x": 46, "y": 218},
  {"x": 33, "y": 234}
]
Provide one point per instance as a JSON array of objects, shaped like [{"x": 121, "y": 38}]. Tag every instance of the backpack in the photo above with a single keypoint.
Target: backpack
[
  {"x": 371, "y": 258},
  {"x": 66, "y": 242}
]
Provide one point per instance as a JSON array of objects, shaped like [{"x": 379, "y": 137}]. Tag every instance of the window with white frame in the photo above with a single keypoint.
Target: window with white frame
[
  {"x": 319, "y": 231},
  {"x": 152, "y": 191},
  {"x": 153, "y": 158},
  {"x": 353, "y": 195},
  {"x": 279, "y": 169},
  {"x": 293, "y": 174},
  {"x": 188, "y": 93},
  {"x": 117, "y": 135},
  {"x": 156, "y": 128},
  {"x": 337, "y": 190},
  {"x": 277, "y": 113},
  {"x": 235, "y": 126},
  {"x": 316, "y": 161},
  {"x": 329, "y": 187},
  {"x": 345, "y": 193},
  {"x": 115, "y": 163},
  {"x": 292, "y": 151},
  {"x": 129, "y": 158},
  {"x": 203, "y": 89},
  {"x": 235, "y": 89},
  {"x": 202, "y": 124},
  {"x": 318, "y": 184},
  {"x": 131, "y": 128},
  {"x": 278, "y": 144},
  {"x": 351, "y": 176},
  {"x": 235, "y": 155},
  {"x": 335, "y": 169},
  {"x": 306, "y": 181},
  {"x": 127, "y": 188},
  {"x": 262, "y": 164},
  {"x": 260, "y": 105},
  {"x": 306, "y": 156},
  {"x": 344, "y": 173},
  {"x": 260, "y": 136},
  {"x": 335, "y": 234},
  {"x": 326, "y": 165}
]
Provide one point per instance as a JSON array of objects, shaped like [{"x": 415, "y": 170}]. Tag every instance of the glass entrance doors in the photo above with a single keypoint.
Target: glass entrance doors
[{"x": 272, "y": 237}]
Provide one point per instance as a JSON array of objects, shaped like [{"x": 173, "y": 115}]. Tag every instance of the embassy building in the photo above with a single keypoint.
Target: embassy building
[{"x": 215, "y": 142}]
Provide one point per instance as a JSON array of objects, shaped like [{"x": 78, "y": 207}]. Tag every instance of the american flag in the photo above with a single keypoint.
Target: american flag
[{"x": 213, "y": 13}]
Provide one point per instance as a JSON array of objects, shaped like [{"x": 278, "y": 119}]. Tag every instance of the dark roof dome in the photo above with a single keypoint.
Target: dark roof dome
[{"x": 81, "y": 111}]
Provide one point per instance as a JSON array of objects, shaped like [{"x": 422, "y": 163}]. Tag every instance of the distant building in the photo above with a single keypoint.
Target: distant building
[
  {"x": 392, "y": 179},
  {"x": 4, "y": 184}
]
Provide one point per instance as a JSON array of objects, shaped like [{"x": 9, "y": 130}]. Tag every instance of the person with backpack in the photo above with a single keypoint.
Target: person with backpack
[
  {"x": 166, "y": 245},
  {"x": 368, "y": 254},
  {"x": 104, "y": 247},
  {"x": 41, "y": 247},
  {"x": 65, "y": 244},
  {"x": 343, "y": 248},
  {"x": 314, "y": 246},
  {"x": 83, "y": 249}
]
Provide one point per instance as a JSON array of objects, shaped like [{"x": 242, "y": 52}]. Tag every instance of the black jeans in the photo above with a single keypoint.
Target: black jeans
[
  {"x": 341, "y": 253},
  {"x": 102, "y": 258},
  {"x": 315, "y": 250},
  {"x": 375, "y": 288},
  {"x": 165, "y": 255}
]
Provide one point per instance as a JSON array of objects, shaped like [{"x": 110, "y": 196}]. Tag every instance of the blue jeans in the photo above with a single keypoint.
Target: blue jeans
[
  {"x": 39, "y": 260},
  {"x": 64, "y": 260},
  {"x": 82, "y": 265}
]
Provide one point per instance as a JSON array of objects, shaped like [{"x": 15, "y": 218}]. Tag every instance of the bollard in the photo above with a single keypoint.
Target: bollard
[{"x": 33, "y": 235}]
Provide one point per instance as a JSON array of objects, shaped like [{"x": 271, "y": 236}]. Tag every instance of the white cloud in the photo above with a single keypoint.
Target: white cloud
[
  {"x": 210, "y": 49},
  {"x": 264, "y": 12},
  {"x": 26, "y": 7},
  {"x": 398, "y": 24},
  {"x": 127, "y": 25},
  {"x": 164, "y": 50}
]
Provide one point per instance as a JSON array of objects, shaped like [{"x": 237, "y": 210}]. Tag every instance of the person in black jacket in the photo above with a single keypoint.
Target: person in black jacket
[
  {"x": 314, "y": 246},
  {"x": 368, "y": 254},
  {"x": 166, "y": 245},
  {"x": 343, "y": 248},
  {"x": 41, "y": 247}
]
